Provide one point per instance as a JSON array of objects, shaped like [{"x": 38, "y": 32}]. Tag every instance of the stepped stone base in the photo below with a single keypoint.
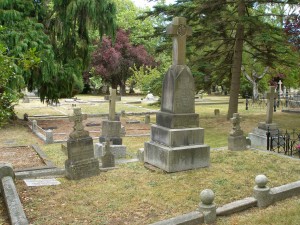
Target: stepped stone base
[
  {"x": 177, "y": 137},
  {"x": 174, "y": 121},
  {"x": 177, "y": 158}
]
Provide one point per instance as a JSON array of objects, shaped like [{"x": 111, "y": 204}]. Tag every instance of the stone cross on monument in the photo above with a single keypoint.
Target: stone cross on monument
[
  {"x": 77, "y": 118},
  {"x": 112, "y": 104},
  {"x": 179, "y": 31},
  {"x": 270, "y": 104}
]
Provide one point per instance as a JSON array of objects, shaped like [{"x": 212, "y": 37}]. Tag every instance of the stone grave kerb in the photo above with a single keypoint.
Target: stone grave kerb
[{"x": 78, "y": 127}]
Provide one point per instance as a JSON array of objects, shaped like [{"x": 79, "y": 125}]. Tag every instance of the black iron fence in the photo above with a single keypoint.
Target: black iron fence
[{"x": 286, "y": 142}]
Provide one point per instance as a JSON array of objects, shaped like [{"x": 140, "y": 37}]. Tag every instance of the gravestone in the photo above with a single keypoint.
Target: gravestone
[
  {"x": 81, "y": 162},
  {"x": 108, "y": 159},
  {"x": 236, "y": 139},
  {"x": 258, "y": 136},
  {"x": 280, "y": 87},
  {"x": 217, "y": 112},
  {"x": 176, "y": 139},
  {"x": 112, "y": 130}
]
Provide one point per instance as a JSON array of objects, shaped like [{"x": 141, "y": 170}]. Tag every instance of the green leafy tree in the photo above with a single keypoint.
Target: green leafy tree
[
  {"x": 58, "y": 31},
  {"x": 221, "y": 31},
  {"x": 11, "y": 82}
]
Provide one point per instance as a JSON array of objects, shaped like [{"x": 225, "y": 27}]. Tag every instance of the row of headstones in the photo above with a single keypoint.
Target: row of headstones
[
  {"x": 81, "y": 160},
  {"x": 177, "y": 141}
]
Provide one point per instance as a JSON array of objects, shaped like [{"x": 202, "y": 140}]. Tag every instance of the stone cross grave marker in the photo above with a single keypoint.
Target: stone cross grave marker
[
  {"x": 280, "y": 87},
  {"x": 112, "y": 104},
  {"x": 270, "y": 104},
  {"x": 179, "y": 31},
  {"x": 236, "y": 128},
  {"x": 77, "y": 118},
  {"x": 108, "y": 159}
]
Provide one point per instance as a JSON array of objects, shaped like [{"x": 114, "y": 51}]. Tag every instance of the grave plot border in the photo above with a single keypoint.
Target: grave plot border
[
  {"x": 47, "y": 135},
  {"x": 263, "y": 196}
]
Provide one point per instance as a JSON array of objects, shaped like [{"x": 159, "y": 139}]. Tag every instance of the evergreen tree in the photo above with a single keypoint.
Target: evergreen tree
[
  {"x": 222, "y": 30},
  {"x": 64, "y": 53}
]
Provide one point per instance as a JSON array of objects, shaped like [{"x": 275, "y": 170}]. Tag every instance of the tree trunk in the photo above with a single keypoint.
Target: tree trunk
[
  {"x": 255, "y": 90},
  {"x": 122, "y": 89},
  {"x": 237, "y": 63}
]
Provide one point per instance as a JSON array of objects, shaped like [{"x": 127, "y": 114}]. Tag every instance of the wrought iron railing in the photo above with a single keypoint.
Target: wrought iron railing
[{"x": 286, "y": 142}]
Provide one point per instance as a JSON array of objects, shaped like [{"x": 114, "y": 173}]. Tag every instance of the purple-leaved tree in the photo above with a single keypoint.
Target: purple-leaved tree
[{"x": 112, "y": 61}]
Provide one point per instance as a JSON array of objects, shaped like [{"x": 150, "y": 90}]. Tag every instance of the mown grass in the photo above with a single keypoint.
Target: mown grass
[{"x": 133, "y": 194}]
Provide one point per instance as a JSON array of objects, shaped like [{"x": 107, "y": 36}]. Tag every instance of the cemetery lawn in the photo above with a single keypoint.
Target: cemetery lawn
[{"x": 135, "y": 195}]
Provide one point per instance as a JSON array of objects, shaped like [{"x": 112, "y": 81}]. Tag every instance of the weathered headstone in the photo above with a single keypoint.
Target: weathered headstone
[
  {"x": 176, "y": 139},
  {"x": 108, "y": 159},
  {"x": 236, "y": 139},
  {"x": 258, "y": 136},
  {"x": 271, "y": 95},
  {"x": 217, "y": 112},
  {"x": 112, "y": 130},
  {"x": 147, "y": 118},
  {"x": 81, "y": 162}
]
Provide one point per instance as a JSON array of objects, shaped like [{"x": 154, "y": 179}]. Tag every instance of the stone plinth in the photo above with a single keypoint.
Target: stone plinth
[
  {"x": 177, "y": 137},
  {"x": 111, "y": 130},
  {"x": 171, "y": 120},
  {"x": 174, "y": 159},
  {"x": 237, "y": 143},
  {"x": 81, "y": 162},
  {"x": 119, "y": 151}
]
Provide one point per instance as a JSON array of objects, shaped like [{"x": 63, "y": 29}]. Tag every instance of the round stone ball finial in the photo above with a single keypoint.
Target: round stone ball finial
[
  {"x": 261, "y": 181},
  {"x": 207, "y": 197}
]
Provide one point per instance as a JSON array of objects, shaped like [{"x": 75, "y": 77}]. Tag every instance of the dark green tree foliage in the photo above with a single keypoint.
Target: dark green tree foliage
[
  {"x": 65, "y": 54},
  {"x": 222, "y": 31}
]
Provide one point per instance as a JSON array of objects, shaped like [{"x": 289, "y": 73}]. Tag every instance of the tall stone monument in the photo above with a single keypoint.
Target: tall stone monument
[
  {"x": 176, "y": 139},
  {"x": 236, "y": 139},
  {"x": 111, "y": 129},
  {"x": 258, "y": 137},
  {"x": 81, "y": 162}
]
